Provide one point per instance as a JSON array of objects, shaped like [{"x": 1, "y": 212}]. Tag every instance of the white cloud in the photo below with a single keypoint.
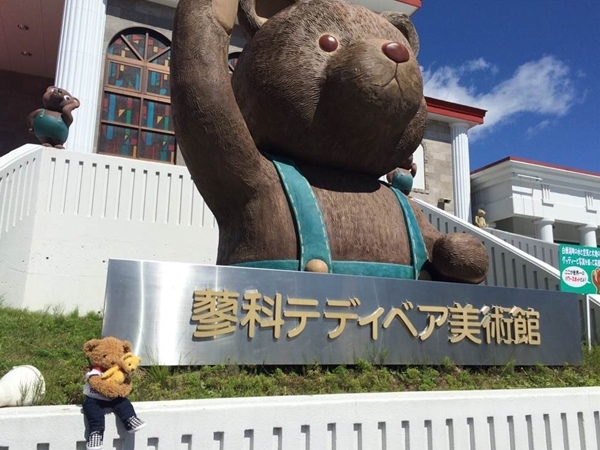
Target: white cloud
[
  {"x": 541, "y": 87},
  {"x": 478, "y": 64},
  {"x": 532, "y": 131}
]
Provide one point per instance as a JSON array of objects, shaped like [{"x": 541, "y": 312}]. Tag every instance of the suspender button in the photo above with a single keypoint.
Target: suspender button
[{"x": 316, "y": 265}]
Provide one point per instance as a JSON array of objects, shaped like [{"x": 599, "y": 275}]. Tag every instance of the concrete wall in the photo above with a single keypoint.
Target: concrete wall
[
  {"x": 20, "y": 94},
  {"x": 517, "y": 419},
  {"x": 19, "y": 172},
  {"x": 64, "y": 214},
  {"x": 437, "y": 150},
  {"x": 128, "y": 13}
]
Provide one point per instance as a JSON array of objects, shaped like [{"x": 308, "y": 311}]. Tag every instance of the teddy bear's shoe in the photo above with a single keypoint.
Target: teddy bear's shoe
[
  {"x": 134, "y": 424},
  {"x": 95, "y": 441}
]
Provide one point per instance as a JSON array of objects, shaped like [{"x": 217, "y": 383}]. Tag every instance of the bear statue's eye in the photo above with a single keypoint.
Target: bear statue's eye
[
  {"x": 328, "y": 43},
  {"x": 67, "y": 98},
  {"x": 104, "y": 356}
]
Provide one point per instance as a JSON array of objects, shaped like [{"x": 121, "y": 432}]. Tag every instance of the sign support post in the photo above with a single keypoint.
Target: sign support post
[{"x": 588, "y": 313}]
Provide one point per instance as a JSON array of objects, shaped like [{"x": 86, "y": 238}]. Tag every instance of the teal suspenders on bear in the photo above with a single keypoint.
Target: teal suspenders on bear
[{"x": 312, "y": 234}]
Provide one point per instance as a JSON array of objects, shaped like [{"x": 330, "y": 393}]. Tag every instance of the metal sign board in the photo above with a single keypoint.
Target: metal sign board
[
  {"x": 187, "y": 314},
  {"x": 579, "y": 269}
]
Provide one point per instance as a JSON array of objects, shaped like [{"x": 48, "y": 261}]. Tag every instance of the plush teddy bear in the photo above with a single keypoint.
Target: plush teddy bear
[
  {"x": 51, "y": 124},
  {"x": 326, "y": 98},
  {"x": 119, "y": 374},
  {"x": 480, "y": 219},
  {"x": 102, "y": 393}
]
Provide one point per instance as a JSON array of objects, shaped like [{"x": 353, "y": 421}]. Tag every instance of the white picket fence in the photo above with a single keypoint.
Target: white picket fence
[
  {"x": 545, "y": 251},
  {"x": 535, "y": 419}
]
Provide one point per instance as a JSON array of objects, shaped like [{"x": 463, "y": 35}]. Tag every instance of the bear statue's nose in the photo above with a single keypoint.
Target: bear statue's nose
[{"x": 396, "y": 51}]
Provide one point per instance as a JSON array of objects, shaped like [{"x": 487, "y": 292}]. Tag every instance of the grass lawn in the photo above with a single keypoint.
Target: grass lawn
[{"x": 52, "y": 342}]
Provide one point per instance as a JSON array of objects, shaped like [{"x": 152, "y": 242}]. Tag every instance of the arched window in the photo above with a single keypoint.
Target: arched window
[
  {"x": 232, "y": 60},
  {"x": 136, "y": 119}
]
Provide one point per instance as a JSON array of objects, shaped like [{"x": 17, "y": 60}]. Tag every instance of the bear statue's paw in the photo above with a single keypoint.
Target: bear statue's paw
[{"x": 460, "y": 258}]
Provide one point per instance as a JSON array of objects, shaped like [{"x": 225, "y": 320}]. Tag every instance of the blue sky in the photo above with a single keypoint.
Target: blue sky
[{"x": 534, "y": 65}]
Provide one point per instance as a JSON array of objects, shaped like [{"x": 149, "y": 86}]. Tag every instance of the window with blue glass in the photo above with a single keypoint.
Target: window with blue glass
[
  {"x": 136, "y": 119},
  {"x": 232, "y": 60}
]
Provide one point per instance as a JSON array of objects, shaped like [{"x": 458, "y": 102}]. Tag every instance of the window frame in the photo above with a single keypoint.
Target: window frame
[{"x": 146, "y": 66}]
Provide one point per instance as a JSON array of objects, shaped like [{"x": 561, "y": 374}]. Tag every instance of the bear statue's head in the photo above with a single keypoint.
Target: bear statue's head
[
  {"x": 332, "y": 84},
  {"x": 55, "y": 99}
]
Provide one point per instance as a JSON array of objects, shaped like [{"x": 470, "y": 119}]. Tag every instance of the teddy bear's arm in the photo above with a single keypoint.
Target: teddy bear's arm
[
  {"x": 214, "y": 139},
  {"x": 109, "y": 388},
  {"x": 454, "y": 257},
  {"x": 31, "y": 118},
  {"x": 115, "y": 373},
  {"x": 67, "y": 111},
  {"x": 110, "y": 372}
]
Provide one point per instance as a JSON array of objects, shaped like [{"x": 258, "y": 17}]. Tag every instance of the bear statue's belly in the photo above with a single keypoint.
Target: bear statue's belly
[{"x": 365, "y": 226}]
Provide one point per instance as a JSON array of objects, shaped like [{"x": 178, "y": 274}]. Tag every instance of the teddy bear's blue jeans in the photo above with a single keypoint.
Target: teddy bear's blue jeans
[{"x": 94, "y": 411}]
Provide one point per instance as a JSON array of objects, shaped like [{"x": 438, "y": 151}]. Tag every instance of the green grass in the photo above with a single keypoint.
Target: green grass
[{"x": 52, "y": 341}]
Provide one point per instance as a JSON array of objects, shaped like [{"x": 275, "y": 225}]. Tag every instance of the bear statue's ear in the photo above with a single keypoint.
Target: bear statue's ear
[
  {"x": 127, "y": 347},
  {"x": 403, "y": 23},
  {"x": 252, "y": 14},
  {"x": 90, "y": 345}
]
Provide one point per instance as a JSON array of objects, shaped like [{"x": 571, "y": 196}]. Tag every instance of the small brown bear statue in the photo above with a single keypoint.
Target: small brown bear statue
[
  {"x": 402, "y": 177},
  {"x": 51, "y": 124},
  {"x": 326, "y": 98},
  {"x": 102, "y": 393}
]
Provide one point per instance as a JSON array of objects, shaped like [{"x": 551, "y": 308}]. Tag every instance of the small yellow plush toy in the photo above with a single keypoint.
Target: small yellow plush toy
[{"x": 117, "y": 374}]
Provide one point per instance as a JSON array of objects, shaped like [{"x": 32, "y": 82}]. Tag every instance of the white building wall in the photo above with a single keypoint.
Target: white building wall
[
  {"x": 497, "y": 201},
  {"x": 91, "y": 208},
  {"x": 526, "y": 191},
  {"x": 19, "y": 172}
]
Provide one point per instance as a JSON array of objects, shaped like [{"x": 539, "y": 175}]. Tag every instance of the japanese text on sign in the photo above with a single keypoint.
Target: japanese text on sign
[{"x": 216, "y": 313}]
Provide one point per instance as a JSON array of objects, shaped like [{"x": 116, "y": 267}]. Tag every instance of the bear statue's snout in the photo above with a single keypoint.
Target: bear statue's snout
[{"x": 396, "y": 51}]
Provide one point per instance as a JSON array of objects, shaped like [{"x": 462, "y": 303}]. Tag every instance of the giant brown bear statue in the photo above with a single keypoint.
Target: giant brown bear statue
[{"x": 326, "y": 98}]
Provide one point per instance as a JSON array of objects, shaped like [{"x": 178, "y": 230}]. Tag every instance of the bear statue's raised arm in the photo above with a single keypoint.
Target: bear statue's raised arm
[{"x": 214, "y": 139}]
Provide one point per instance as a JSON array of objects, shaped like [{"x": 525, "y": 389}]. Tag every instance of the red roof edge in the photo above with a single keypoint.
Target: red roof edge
[
  {"x": 495, "y": 163},
  {"x": 537, "y": 163},
  {"x": 455, "y": 110},
  {"x": 416, "y": 3}
]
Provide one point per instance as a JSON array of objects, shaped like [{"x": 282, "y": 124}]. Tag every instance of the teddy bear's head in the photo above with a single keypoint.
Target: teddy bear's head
[
  {"x": 55, "y": 99},
  {"x": 130, "y": 362},
  {"x": 107, "y": 352},
  {"x": 333, "y": 84}
]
